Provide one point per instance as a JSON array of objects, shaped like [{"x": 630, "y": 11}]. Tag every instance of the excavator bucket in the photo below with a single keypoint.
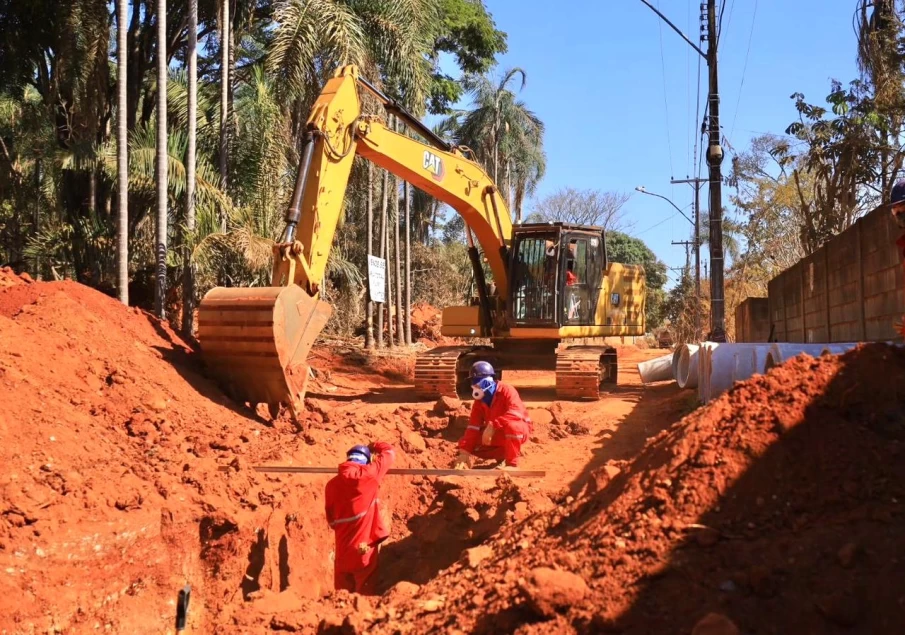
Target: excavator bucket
[{"x": 255, "y": 341}]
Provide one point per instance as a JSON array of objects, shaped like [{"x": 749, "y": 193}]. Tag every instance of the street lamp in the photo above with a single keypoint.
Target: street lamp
[{"x": 641, "y": 189}]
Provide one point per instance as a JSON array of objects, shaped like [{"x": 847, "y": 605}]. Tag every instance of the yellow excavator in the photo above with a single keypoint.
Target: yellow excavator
[{"x": 553, "y": 298}]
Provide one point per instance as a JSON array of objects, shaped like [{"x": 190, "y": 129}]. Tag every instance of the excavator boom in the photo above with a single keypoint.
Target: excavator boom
[{"x": 255, "y": 340}]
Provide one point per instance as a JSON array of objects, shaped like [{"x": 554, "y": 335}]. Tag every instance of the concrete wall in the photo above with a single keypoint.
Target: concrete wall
[
  {"x": 752, "y": 320},
  {"x": 851, "y": 289}
]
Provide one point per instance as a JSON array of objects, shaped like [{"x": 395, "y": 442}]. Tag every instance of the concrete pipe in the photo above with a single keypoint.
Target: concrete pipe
[
  {"x": 676, "y": 355},
  {"x": 659, "y": 369},
  {"x": 759, "y": 358},
  {"x": 728, "y": 363},
  {"x": 838, "y": 349},
  {"x": 687, "y": 368},
  {"x": 780, "y": 353},
  {"x": 705, "y": 369}
]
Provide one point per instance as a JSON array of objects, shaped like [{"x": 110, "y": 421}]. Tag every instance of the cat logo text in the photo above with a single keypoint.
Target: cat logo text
[{"x": 434, "y": 165}]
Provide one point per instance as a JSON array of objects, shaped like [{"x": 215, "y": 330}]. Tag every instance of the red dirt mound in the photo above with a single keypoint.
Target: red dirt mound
[
  {"x": 426, "y": 322},
  {"x": 110, "y": 495},
  {"x": 9, "y": 278},
  {"x": 779, "y": 506}
]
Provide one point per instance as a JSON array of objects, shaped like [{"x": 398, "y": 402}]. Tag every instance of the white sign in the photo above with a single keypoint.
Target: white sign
[{"x": 377, "y": 278}]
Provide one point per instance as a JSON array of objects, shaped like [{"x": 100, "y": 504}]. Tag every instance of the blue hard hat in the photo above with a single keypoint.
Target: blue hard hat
[
  {"x": 898, "y": 193},
  {"x": 359, "y": 454},
  {"x": 480, "y": 370}
]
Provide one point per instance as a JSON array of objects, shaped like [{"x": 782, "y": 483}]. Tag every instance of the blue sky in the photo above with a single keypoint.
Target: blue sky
[{"x": 596, "y": 78}]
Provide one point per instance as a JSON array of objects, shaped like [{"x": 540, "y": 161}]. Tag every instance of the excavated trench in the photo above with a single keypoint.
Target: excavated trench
[
  {"x": 433, "y": 521},
  {"x": 112, "y": 499}
]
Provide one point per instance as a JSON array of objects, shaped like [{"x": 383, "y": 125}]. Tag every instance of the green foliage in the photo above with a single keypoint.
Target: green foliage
[
  {"x": 467, "y": 31},
  {"x": 58, "y": 120},
  {"x": 503, "y": 134},
  {"x": 629, "y": 250}
]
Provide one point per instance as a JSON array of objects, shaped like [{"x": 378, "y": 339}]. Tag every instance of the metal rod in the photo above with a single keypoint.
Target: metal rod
[
  {"x": 477, "y": 268},
  {"x": 676, "y": 29},
  {"x": 287, "y": 469},
  {"x": 294, "y": 212},
  {"x": 391, "y": 106}
]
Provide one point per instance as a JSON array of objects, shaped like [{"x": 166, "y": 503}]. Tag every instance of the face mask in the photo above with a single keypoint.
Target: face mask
[{"x": 478, "y": 390}]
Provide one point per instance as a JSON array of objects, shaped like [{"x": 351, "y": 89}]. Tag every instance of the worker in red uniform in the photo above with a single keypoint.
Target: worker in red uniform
[
  {"x": 897, "y": 208},
  {"x": 353, "y": 511},
  {"x": 499, "y": 423}
]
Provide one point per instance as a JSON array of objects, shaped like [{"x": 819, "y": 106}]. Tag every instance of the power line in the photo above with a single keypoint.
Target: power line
[
  {"x": 744, "y": 70},
  {"x": 689, "y": 136},
  {"x": 668, "y": 218},
  {"x": 719, "y": 24},
  {"x": 665, "y": 99}
]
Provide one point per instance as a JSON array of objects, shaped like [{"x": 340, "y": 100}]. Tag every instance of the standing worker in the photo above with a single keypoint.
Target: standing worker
[
  {"x": 897, "y": 207},
  {"x": 353, "y": 511},
  {"x": 499, "y": 422}
]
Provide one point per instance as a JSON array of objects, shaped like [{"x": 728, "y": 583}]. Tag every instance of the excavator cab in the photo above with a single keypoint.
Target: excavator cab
[{"x": 557, "y": 273}]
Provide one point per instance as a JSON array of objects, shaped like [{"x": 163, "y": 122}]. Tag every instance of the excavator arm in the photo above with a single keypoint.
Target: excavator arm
[{"x": 256, "y": 340}]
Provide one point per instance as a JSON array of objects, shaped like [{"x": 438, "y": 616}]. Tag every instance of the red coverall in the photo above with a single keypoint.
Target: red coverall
[
  {"x": 509, "y": 418},
  {"x": 353, "y": 511}
]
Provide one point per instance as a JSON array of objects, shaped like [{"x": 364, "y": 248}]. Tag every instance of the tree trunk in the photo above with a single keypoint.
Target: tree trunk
[
  {"x": 122, "y": 154},
  {"x": 397, "y": 265},
  {"x": 224, "y": 101},
  {"x": 369, "y": 306},
  {"x": 188, "y": 276},
  {"x": 383, "y": 252},
  {"x": 408, "y": 262},
  {"x": 92, "y": 191},
  {"x": 391, "y": 183},
  {"x": 160, "y": 288},
  {"x": 231, "y": 81},
  {"x": 435, "y": 214}
]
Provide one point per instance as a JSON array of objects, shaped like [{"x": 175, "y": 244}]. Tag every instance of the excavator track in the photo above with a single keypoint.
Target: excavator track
[
  {"x": 581, "y": 371},
  {"x": 437, "y": 372}
]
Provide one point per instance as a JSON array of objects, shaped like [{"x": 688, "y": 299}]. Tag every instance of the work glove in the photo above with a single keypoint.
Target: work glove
[
  {"x": 463, "y": 461},
  {"x": 487, "y": 435}
]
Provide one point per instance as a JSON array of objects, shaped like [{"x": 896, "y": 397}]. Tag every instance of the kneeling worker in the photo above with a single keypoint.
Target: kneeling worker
[
  {"x": 499, "y": 422},
  {"x": 354, "y": 513}
]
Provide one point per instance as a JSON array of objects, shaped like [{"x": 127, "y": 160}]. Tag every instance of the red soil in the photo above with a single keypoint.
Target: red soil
[{"x": 779, "y": 505}]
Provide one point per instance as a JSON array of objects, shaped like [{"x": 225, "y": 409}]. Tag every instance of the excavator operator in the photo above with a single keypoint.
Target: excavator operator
[{"x": 499, "y": 424}]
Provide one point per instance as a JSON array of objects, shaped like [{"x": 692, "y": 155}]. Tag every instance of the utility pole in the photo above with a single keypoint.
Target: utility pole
[
  {"x": 714, "y": 158},
  {"x": 696, "y": 184},
  {"x": 687, "y": 244}
]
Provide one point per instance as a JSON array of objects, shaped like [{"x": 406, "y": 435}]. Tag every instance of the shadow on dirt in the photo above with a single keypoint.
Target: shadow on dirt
[
  {"x": 779, "y": 507},
  {"x": 657, "y": 407},
  {"x": 382, "y": 395},
  {"x": 188, "y": 364},
  {"x": 808, "y": 538},
  {"x": 457, "y": 519}
]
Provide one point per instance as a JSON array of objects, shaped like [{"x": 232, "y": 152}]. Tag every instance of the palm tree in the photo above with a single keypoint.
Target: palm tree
[
  {"x": 388, "y": 39},
  {"x": 732, "y": 236},
  {"x": 502, "y": 132},
  {"x": 188, "y": 282},
  {"x": 160, "y": 288},
  {"x": 122, "y": 155},
  {"x": 224, "y": 97}
]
